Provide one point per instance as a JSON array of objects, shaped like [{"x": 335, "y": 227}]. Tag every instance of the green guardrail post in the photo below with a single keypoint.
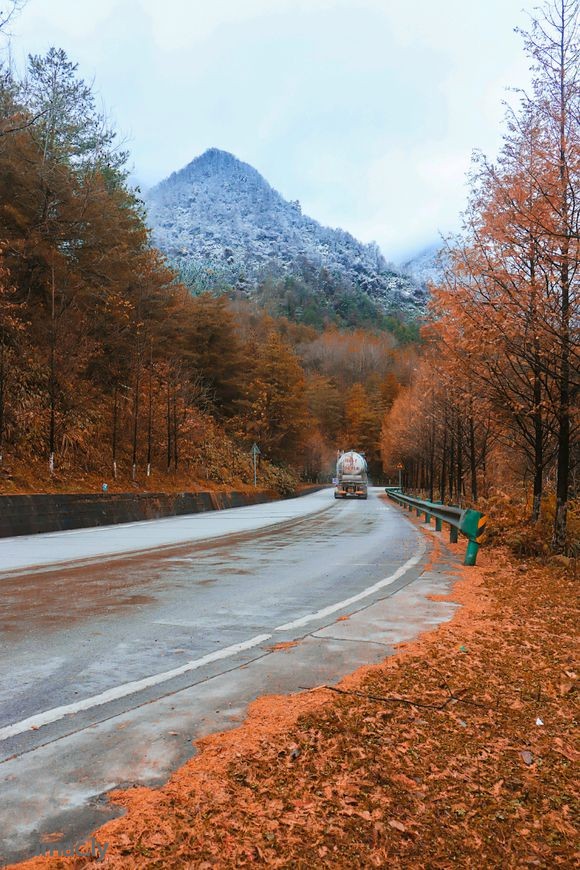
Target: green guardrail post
[
  {"x": 453, "y": 534},
  {"x": 427, "y": 517},
  {"x": 471, "y": 553},
  {"x": 418, "y": 511},
  {"x": 473, "y": 525},
  {"x": 438, "y": 520}
]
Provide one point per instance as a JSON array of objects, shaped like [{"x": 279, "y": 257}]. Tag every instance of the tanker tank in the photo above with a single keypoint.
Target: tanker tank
[{"x": 351, "y": 475}]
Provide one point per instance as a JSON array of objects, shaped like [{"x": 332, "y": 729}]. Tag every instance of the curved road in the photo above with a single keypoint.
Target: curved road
[{"x": 111, "y": 664}]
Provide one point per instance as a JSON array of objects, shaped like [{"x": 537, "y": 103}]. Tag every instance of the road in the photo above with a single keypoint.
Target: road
[{"x": 110, "y": 665}]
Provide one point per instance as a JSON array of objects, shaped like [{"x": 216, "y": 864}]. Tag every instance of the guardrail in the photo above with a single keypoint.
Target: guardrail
[{"x": 465, "y": 520}]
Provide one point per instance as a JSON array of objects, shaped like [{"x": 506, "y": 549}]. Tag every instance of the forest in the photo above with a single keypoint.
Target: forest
[
  {"x": 113, "y": 369},
  {"x": 492, "y": 411}
]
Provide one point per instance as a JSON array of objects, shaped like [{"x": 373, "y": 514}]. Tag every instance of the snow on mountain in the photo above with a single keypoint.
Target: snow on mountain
[
  {"x": 219, "y": 217},
  {"x": 425, "y": 267}
]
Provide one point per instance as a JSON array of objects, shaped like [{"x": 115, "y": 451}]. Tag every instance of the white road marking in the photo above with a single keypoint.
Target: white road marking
[
  {"x": 127, "y": 689},
  {"x": 370, "y": 590}
]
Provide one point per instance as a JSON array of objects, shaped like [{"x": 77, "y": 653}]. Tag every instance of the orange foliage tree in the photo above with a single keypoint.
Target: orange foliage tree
[{"x": 506, "y": 336}]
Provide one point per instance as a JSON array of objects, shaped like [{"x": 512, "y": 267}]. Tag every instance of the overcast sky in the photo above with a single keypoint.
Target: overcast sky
[{"x": 366, "y": 111}]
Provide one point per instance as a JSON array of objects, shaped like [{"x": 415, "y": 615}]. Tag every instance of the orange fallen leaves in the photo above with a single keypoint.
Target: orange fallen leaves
[{"x": 288, "y": 644}]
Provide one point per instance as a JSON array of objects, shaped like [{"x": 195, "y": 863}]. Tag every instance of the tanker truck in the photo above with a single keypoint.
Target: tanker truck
[{"x": 351, "y": 475}]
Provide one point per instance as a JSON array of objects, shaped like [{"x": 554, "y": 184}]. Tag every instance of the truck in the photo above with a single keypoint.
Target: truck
[{"x": 351, "y": 475}]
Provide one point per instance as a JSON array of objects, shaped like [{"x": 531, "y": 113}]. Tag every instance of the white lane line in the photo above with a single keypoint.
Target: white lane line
[
  {"x": 370, "y": 590},
  {"x": 58, "y": 713}
]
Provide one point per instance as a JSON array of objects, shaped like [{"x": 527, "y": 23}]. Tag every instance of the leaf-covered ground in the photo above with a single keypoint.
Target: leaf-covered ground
[{"x": 457, "y": 752}]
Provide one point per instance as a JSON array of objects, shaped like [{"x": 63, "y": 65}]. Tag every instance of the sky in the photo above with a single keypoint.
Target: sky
[{"x": 366, "y": 111}]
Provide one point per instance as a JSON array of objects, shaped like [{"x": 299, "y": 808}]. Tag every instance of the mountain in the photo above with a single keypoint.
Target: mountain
[
  {"x": 221, "y": 223},
  {"x": 425, "y": 267}
]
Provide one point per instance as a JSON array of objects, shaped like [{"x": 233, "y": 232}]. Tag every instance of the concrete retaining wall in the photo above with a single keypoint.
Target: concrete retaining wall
[{"x": 31, "y": 514}]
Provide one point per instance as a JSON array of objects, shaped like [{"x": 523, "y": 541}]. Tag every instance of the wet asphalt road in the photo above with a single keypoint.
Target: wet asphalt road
[{"x": 161, "y": 635}]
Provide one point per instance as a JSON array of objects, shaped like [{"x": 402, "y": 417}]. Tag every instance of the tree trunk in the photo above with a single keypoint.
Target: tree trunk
[
  {"x": 136, "y": 415},
  {"x": 538, "y": 451},
  {"x": 2, "y": 398},
  {"x": 432, "y": 458},
  {"x": 442, "y": 481},
  {"x": 114, "y": 436},
  {"x": 168, "y": 420},
  {"x": 175, "y": 432},
  {"x": 52, "y": 377},
  {"x": 150, "y": 413},
  {"x": 459, "y": 459},
  {"x": 563, "y": 474},
  {"x": 452, "y": 465},
  {"x": 472, "y": 458}
]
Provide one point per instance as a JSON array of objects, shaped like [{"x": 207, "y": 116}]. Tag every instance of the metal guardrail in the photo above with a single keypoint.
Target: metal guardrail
[{"x": 465, "y": 520}]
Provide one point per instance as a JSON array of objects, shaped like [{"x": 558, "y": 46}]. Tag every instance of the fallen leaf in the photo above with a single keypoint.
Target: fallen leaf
[
  {"x": 397, "y": 825},
  {"x": 527, "y": 756},
  {"x": 52, "y": 838}
]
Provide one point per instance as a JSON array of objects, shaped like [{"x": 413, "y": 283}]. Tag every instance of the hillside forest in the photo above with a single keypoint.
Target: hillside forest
[{"x": 110, "y": 367}]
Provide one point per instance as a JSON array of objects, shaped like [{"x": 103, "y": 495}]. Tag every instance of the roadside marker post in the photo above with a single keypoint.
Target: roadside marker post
[
  {"x": 438, "y": 520},
  {"x": 400, "y": 467},
  {"x": 255, "y": 453}
]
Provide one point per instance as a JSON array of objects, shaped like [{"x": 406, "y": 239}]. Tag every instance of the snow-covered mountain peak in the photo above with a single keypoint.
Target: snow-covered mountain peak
[{"x": 218, "y": 216}]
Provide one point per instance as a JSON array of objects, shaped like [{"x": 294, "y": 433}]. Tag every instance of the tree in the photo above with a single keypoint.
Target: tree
[
  {"x": 10, "y": 328},
  {"x": 508, "y": 310},
  {"x": 362, "y": 425},
  {"x": 326, "y": 404},
  {"x": 213, "y": 351},
  {"x": 68, "y": 128},
  {"x": 276, "y": 415},
  {"x": 553, "y": 44}
]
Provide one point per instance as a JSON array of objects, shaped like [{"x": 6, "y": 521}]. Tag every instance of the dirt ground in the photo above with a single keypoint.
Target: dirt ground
[{"x": 456, "y": 752}]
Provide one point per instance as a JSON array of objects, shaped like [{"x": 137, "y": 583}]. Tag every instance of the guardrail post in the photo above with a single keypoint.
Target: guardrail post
[
  {"x": 427, "y": 517},
  {"x": 471, "y": 553},
  {"x": 473, "y": 527},
  {"x": 453, "y": 534},
  {"x": 438, "y": 520}
]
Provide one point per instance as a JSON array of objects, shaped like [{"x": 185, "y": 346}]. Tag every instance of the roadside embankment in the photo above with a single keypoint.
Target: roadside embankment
[
  {"x": 58, "y": 512},
  {"x": 457, "y": 751}
]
